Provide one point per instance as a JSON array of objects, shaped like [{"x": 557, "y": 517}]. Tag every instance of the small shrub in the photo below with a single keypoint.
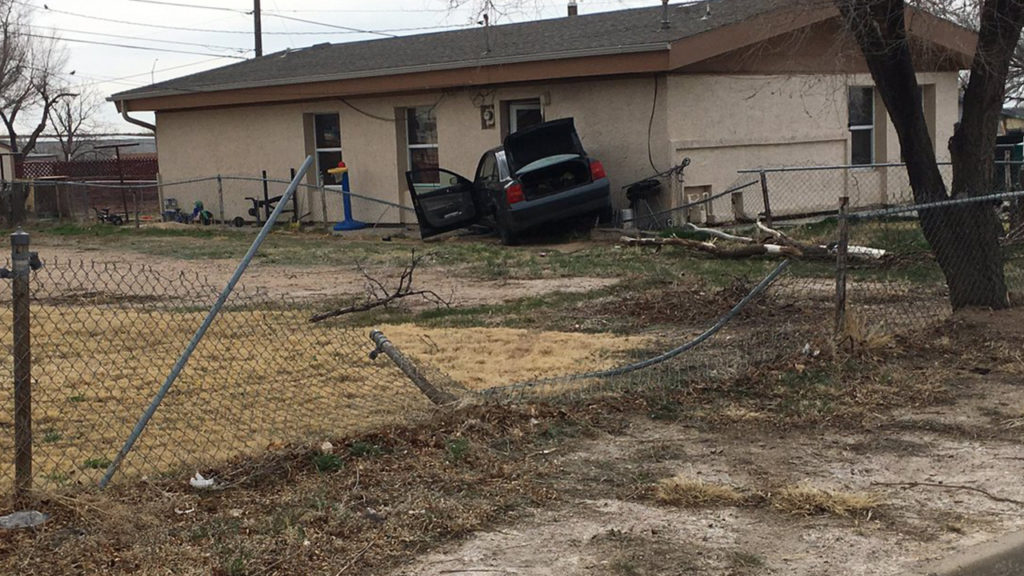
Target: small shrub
[{"x": 326, "y": 462}]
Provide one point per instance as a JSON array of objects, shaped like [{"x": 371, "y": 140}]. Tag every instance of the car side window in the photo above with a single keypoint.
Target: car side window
[{"x": 488, "y": 169}]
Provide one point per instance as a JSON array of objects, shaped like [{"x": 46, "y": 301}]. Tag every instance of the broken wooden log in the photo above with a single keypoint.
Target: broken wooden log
[{"x": 744, "y": 251}]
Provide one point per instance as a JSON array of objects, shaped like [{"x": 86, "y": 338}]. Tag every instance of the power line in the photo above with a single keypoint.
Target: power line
[
  {"x": 332, "y": 25},
  {"x": 131, "y": 47},
  {"x": 211, "y": 46},
  {"x": 342, "y": 29},
  {"x": 120, "y": 79},
  {"x": 197, "y": 6}
]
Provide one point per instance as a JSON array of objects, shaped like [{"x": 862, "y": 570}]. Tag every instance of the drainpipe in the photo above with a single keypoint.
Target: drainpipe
[{"x": 136, "y": 121}]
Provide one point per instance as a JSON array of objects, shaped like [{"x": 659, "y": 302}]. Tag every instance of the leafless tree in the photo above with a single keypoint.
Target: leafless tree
[
  {"x": 70, "y": 118},
  {"x": 30, "y": 72}
]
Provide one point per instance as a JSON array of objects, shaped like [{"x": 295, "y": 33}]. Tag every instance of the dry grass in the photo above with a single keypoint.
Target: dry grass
[
  {"x": 863, "y": 336},
  {"x": 396, "y": 494},
  {"x": 685, "y": 491},
  {"x": 259, "y": 380},
  {"x": 809, "y": 501}
]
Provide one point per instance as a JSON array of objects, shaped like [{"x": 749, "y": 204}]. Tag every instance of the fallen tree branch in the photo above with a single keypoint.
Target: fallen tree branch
[
  {"x": 712, "y": 248},
  {"x": 951, "y": 487},
  {"x": 718, "y": 233},
  {"x": 779, "y": 236},
  {"x": 378, "y": 294}
]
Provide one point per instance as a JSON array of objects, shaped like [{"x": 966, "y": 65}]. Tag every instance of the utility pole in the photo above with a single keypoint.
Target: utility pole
[{"x": 257, "y": 27}]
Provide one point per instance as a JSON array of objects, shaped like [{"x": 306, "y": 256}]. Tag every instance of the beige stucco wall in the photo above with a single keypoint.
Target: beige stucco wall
[
  {"x": 612, "y": 118},
  {"x": 723, "y": 123}
]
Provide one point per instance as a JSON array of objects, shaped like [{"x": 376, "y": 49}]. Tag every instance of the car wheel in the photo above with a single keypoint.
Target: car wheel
[{"x": 505, "y": 232}]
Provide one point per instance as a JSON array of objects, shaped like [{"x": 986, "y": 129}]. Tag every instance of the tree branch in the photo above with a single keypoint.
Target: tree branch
[{"x": 378, "y": 294}]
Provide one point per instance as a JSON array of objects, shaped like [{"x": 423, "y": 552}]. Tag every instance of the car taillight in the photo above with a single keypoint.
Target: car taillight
[
  {"x": 514, "y": 193},
  {"x": 596, "y": 170}
]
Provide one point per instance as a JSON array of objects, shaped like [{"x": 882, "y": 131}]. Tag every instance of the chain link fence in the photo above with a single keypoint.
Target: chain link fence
[{"x": 105, "y": 335}]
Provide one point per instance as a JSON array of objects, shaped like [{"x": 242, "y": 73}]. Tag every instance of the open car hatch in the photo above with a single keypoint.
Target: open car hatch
[{"x": 554, "y": 138}]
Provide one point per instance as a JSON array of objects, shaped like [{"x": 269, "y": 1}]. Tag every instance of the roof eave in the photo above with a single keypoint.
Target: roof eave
[{"x": 460, "y": 65}]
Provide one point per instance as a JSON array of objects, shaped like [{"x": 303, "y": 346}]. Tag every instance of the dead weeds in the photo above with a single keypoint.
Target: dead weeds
[{"x": 802, "y": 500}]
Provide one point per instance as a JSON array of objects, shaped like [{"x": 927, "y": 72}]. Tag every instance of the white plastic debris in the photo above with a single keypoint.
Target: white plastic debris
[
  {"x": 326, "y": 447},
  {"x": 23, "y": 519},
  {"x": 199, "y": 482}
]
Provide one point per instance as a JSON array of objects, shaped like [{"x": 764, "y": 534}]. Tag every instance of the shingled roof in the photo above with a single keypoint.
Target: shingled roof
[{"x": 620, "y": 32}]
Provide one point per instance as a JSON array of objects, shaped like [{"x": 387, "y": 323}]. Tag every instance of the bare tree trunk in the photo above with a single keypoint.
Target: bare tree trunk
[{"x": 965, "y": 239}]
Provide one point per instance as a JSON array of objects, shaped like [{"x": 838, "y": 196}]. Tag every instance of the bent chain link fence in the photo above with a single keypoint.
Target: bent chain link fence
[{"x": 104, "y": 335}]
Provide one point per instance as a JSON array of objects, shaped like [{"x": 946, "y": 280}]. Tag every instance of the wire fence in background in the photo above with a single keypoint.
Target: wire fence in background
[
  {"x": 104, "y": 337},
  {"x": 228, "y": 200}
]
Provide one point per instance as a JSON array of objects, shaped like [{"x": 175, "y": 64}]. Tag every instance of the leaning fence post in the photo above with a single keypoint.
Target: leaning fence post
[
  {"x": 179, "y": 365},
  {"x": 22, "y": 351},
  {"x": 220, "y": 199},
  {"x": 767, "y": 203},
  {"x": 385, "y": 346},
  {"x": 841, "y": 251}
]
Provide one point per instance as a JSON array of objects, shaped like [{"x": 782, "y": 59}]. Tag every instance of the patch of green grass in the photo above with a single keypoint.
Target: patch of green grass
[
  {"x": 326, "y": 462},
  {"x": 51, "y": 435},
  {"x": 96, "y": 463},
  {"x": 235, "y": 566},
  {"x": 58, "y": 478},
  {"x": 69, "y": 230},
  {"x": 76, "y": 398},
  {"x": 457, "y": 449},
  {"x": 362, "y": 449}
]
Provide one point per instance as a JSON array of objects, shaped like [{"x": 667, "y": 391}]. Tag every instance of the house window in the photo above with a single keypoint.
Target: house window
[
  {"x": 421, "y": 141},
  {"x": 327, "y": 137},
  {"x": 862, "y": 125},
  {"x": 519, "y": 114}
]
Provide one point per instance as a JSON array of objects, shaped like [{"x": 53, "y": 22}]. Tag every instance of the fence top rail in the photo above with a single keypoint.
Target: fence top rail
[
  {"x": 833, "y": 167},
  {"x": 898, "y": 210}
]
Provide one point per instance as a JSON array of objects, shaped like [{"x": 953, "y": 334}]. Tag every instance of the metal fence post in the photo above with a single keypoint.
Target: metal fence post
[
  {"x": 22, "y": 351},
  {"x": 767, "y": 203},
  {"x": 179, "y": 365},
  {"x": 841, "y": 251},
  {"x": 220, "y": 199}
]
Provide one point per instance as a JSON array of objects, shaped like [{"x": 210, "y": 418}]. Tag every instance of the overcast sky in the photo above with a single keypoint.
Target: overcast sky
[{"x": 118, "y": 45}]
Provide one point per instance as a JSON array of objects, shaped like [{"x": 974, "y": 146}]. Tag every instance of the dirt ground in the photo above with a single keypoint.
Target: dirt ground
[
  {"x": 325, "y": 281},
  {"x": 947, "y": 479},
  {"x": 564, "y": 492}
]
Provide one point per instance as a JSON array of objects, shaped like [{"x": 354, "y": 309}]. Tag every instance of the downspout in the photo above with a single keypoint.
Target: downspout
[{"x": 136, "y": 121}]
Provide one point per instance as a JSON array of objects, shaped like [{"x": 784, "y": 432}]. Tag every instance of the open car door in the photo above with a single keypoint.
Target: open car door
[{"x": 441, "y": 208}]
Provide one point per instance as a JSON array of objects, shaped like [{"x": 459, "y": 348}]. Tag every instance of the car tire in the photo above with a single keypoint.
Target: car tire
[{"x": 505, "y": 232}]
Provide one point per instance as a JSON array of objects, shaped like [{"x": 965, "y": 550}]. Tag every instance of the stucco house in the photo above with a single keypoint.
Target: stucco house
[{"x": 729, "y": 84}]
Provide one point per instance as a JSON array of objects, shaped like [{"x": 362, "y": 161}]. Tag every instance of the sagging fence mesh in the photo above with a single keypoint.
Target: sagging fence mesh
[{"x": 104, "y": 337}]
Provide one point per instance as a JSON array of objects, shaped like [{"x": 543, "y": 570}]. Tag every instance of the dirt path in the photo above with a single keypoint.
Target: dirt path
[
  {"x": 331, "y": 282},
  {"x": 602, "y": 532}
]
